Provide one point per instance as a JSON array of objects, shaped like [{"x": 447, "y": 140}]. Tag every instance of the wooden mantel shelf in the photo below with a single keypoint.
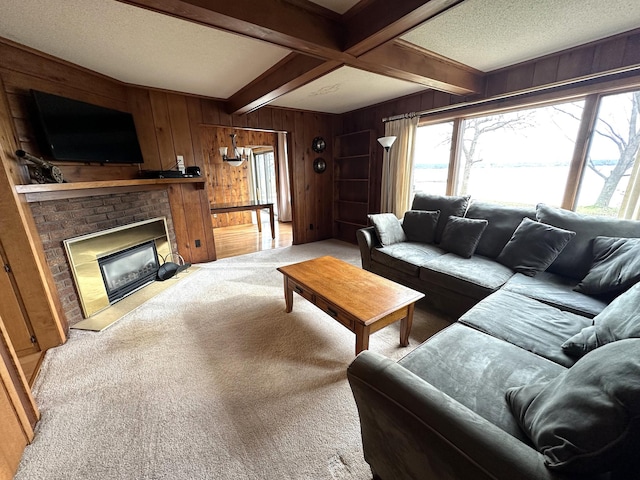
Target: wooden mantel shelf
[{"x": 53, "y": 191}]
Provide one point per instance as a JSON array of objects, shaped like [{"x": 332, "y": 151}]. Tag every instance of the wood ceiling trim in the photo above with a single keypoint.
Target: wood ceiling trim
[
  {"x": 273, "y": 21},
  {"x": 398, "y": 59},
  {"x": 379, "y": 22},
  {"x": 292, "y": 72},
  {"x": 371, "y": 28}
]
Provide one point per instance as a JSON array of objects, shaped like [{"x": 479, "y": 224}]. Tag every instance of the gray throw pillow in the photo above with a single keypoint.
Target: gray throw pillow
[
  {"x": 575, "y": 260},
  {"x": 388, "y": 228},
  {"x": 533, "y": 247},
  {"x": 586, "y": 419},
  {"x": 447, "y": 204},
  {"x": 616, "y": 266},
  {"x": 619, "y": 320},
  {"x": 461, "y": 235},
  {"x": 420, "y": 225}
]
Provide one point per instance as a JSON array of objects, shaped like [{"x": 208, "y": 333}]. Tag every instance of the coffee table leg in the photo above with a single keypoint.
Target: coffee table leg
[
  {"x": 288, "y": 295},
  {"x": 405, "y": 326},
  {"x": 362, "y": 337}
]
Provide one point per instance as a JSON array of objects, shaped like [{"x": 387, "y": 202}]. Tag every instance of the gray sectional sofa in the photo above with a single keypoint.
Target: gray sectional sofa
[{"x": 539, "y": 376}]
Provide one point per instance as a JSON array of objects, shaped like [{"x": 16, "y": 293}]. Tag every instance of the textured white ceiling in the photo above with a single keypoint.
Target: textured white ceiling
[
  {"x": 346, "y": 89},
  {"x": 138, "y": 46},
  {"x": 144, "y": 48},
  {"x": 491, "y": 34}
]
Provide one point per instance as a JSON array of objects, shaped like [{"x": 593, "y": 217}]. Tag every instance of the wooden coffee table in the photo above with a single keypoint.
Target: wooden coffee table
[{"x": 360, "y": 300}]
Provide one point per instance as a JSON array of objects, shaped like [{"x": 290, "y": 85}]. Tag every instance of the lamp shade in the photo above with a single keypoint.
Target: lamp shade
[
  {"x": 223, "y": 151},
  {"x": 386, "y": 142},
  {"x": 235, "y": 162}
]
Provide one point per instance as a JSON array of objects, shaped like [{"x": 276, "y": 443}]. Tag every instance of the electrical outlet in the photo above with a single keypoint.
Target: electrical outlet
[
  {"x": 198, "y": 244},
  {"x": 311, "y": 226},
  {"x": 180, "y": 163},
  {"x": 215, "y": 215}
]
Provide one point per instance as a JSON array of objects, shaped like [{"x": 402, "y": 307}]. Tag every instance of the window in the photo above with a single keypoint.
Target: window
[
  {"x": 520, "y": 157},
  {"x": 264, "y": 176},
  {"x": 431, "y": 158},
  {"x": 613, "y": 150},
  {"x": 524, "y": 157}
]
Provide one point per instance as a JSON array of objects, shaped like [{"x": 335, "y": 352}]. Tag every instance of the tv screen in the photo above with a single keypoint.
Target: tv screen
[{"x": 81, "y": 132}]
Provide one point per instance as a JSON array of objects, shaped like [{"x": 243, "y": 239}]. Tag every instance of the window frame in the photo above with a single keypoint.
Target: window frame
[{"x": 591, "y": 94}]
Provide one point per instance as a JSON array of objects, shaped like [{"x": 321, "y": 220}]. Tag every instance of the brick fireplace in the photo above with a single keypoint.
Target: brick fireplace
[{"x": 59, "y": 220}]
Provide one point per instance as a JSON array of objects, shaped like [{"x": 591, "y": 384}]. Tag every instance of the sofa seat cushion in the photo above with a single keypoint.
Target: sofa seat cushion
[
  {"x": 406, "y": 257},
  {"x": 535, "y": 326},
  {"x": 557, "y": 291},
  {"x": 476, "y": 369},
  {"x": 476, "y": 277}
]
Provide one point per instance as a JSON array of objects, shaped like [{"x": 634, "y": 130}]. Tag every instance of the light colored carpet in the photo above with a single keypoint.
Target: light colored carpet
[{"x": 210, "y": 379}]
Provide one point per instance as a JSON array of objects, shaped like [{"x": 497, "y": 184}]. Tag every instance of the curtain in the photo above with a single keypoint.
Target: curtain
[
  {"x": 284, "y": 190},
  {"x": 630, "y": 208},
  {"x": 251, "y": 177},
  {"x": 397, "y": 166}
]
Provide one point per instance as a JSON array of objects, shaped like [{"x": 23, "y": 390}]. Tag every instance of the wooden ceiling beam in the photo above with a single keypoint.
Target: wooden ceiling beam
[
  {"x": 274, "y": 21},
  {"x": 290, "y": 73},
  {"x": 405, "y": 61},
  {"x": 321, "y": 43},
  {"x": 379, "y": 22}
]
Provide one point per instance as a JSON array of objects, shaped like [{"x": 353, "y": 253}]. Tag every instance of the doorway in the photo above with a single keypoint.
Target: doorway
[{"x": 262, "y": 177}]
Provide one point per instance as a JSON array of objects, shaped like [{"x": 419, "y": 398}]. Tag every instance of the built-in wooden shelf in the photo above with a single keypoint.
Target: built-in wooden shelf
[
  {"x": 38, "y": 192},
  {"x": 352, "y": 172}
]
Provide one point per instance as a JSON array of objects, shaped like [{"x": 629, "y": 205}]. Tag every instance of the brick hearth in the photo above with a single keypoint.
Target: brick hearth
[{"x": 58, "y": 220}]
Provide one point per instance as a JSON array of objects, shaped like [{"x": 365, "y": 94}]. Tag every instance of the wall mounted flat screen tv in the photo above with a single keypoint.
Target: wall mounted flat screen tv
[{"x": 81, "y": 132}]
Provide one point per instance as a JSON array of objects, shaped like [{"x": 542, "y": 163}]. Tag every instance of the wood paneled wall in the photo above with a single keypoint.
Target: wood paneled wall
[
  {"x": 18, "y": 412},
  {"x": 311, "y": 192},
  {"x": 168, "y": 125},
  {"x": 227, "y": 184}
]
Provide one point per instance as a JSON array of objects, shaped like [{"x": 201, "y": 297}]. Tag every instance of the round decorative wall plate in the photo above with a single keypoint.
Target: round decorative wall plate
[
  {"x": 319, "y": 165},
  {"x": 318, "y": 145}
]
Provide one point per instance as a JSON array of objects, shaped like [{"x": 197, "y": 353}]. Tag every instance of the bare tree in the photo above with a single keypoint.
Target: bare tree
[
  {"x": 626, "y": 140},
  {"x": 474, "y": 128}
]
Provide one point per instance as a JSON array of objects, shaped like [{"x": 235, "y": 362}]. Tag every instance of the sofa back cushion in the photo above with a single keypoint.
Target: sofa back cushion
[
  {"x": 448, "y": 205},
  {"x": 503, "y": 221},
  {"x": 388, "y": 228},
  {"x": 619, "y": 320},
  {"x": 577, "y": 257},
  {"x": 461, "y": 235},
  {"x": 534, "y": 246},
  {"x": 420, "y": 225}
]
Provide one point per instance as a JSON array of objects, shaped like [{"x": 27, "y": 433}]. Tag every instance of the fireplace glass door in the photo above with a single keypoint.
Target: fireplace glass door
[{"x": 127, "y": 270}]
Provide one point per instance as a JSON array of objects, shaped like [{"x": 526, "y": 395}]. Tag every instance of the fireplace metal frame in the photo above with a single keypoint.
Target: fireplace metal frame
[{"x": 83, "y": 253}]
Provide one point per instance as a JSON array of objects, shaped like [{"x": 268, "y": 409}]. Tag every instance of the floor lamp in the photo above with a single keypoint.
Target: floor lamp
[{"x": 386, "y": 142}]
